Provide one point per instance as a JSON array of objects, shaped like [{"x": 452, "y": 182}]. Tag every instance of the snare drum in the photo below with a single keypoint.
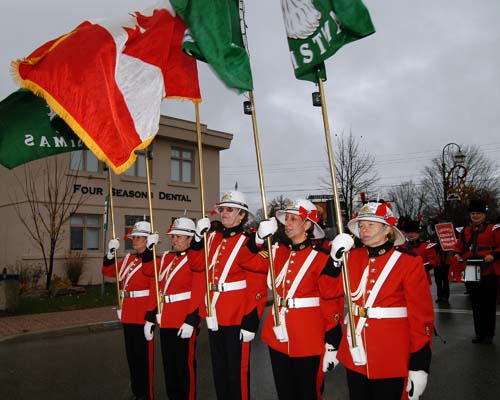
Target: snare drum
[{"x": 472, "y": 271}]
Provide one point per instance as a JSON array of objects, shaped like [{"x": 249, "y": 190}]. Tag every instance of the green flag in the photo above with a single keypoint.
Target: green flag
[
  {"x": 215, "y": 36},
  {"x": 30, "y": 130},
  {"x": 316, "y": 29}
]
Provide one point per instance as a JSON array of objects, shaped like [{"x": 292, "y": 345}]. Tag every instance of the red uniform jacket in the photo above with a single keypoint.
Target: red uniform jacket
[
  {"x": 392, "y": 345},
  {"x": 180, "y": 280},
  {"x": 479, "y": 241},
  {"x": 231, "y": 305},
  {"x": 428, "y": 252},
  {"x": 308, "y": 328},
  {"x": 256, "y": 293},
  {"x": 133, "y": 309}
]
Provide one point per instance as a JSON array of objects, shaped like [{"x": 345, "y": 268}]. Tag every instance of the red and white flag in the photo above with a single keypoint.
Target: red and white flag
[{"x": 107, "y": 79}]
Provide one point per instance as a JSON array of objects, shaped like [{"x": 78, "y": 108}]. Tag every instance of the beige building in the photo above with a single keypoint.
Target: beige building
[{"x": 175, "y": 188}]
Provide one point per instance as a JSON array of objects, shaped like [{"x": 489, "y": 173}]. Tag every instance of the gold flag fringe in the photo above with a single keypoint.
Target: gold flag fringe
[{"x": 76, "y": 127}]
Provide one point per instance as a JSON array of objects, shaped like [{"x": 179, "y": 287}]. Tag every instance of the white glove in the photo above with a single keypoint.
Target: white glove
[
  {"x": 246, "y": 336},
  {"x": 330, "y": 358},
  {"x": 202, "y": 226},
  {"x": 417, "y": 381},
  {"x": 149, "y": 328},
  {"x": 266, "y": 228},
  {"x": 341, "y": 244},
  {"x": 152, "y": 240},
  {"x": 113, "y": 245},
  {"x": 185, "y": 331}
]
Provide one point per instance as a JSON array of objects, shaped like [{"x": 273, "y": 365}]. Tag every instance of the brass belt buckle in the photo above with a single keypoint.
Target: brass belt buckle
[
  {"x": 283, "y": 302},
  {"x": 214, "y": 287},
  {"x": 363, "y": 312}
]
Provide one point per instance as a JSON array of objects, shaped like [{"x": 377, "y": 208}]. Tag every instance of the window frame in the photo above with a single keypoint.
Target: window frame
[
  {"x": 139, "y": 163},
  {"x": 85, "y": 227},
  {"x": 85, "y": 153},
  {"x": 181, "y": 160}
]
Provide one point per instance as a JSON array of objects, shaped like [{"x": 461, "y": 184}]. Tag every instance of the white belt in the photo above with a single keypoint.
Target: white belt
[
  {"x": 380, "y": 312},
  {"x": 228, "y": 286},
  {"x": 172, "y": 298},
  {"x": 135, "y": 293},
  {"x": 303, "y": 302}
]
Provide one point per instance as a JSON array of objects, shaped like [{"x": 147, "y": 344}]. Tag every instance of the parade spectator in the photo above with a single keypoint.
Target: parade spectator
[
  {"x": 393, "y": 313},
  {"x": 310, "y": 298},
  {"x": 233, "y": 318},
  {"x": 478, "y": 245},
  {"x": 135, "y": 273}
]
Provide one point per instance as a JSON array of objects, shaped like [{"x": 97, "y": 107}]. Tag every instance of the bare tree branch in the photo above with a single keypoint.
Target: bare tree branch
[
  {"x": 46, "y": 203},
  {"x": 355, "y": 171},
  {"x": 409, "y": 199}
]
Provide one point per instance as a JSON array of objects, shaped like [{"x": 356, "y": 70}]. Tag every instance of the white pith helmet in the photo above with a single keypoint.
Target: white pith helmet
[
  {"x": 307, "y": 211},
  {"x": 377, "y": 212},
  {"x": 182, "y": 226},
  {"x": 235, "y": 199},
  {"x": 141, "y": 228}
]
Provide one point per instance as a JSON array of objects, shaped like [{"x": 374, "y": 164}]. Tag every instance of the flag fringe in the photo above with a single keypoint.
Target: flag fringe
[
  {"x": 14, "y": 72},
  {"x": 78, "y": 129},
  {"x": 180, "y": 98}
]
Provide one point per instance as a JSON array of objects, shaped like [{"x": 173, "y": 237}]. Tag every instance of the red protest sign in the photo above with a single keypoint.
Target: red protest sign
[{"x": 446, "y": 235}]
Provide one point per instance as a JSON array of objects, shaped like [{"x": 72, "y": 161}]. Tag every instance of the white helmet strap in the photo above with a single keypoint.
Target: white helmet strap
[
  {"x": 139, "y": 245},
  {"x": 294, "y": 231},
  {"x": 376, "y": 235},
  {"x": 235, "y": 214}
]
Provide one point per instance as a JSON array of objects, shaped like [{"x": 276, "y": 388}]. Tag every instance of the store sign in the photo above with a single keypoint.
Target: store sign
[
  {"x": 446, "y": 236},
  {"x": 130, "y": 193}
]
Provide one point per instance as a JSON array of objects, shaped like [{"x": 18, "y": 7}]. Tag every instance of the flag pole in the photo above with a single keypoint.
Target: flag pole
[
  {"x": 264, "y": 208},
  {"x": 202, "y": 194},
  {"x": 111, "y": 207},
  {"x": 338, "y": 213},
  {"x": 105, "y": 230},
  {"x": 149, "y": 156}
]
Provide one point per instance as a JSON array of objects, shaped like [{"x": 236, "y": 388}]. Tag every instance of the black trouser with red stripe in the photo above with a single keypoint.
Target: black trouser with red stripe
[
  {"x": 296, "y": 378},
  {"x": 362, "y": 388},
  {"x": 137, "y": 349},
  {"x": 179, "y": 364},
  {"x": 230, "y": 360},
  {"x": 483, "y": 296}
]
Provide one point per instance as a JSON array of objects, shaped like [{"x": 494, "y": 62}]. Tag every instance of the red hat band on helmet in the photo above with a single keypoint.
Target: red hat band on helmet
[{"x": 376, "y": 212}]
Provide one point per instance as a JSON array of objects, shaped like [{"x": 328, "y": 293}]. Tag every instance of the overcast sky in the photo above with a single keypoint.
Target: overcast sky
[{"x": 430, "y": 75}]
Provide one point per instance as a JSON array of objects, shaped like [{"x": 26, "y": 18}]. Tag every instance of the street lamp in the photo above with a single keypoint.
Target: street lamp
[{"x": 456, "y": 170}]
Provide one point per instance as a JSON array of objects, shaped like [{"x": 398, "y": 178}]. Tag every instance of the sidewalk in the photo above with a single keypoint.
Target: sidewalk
[{"x": 22, "y": 327}]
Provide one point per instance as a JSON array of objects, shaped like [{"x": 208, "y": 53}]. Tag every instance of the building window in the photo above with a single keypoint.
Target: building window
[
  {"x": 138, "y": 168},
  {"x": 130, "y": 221},
  {"x": 85, "y": 231},
  {"x": 84, "y": 160},
  {"x": 181, "y": 165}
]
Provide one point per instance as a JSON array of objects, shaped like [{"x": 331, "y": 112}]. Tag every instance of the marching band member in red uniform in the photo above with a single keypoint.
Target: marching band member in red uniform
[
  {"x": 392, "y": 308},
  {"x": 136, "y": 271},
  {"x": 230, "y": 320},
  {"x": 304, "y": 345},
  {"x": 426, "y": 250},
  {"x": 181, "y": 294},
  {"x": 480, "y": 241}
]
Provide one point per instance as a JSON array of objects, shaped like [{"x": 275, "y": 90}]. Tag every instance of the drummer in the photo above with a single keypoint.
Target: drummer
[{"x": 479, "y": 246}]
